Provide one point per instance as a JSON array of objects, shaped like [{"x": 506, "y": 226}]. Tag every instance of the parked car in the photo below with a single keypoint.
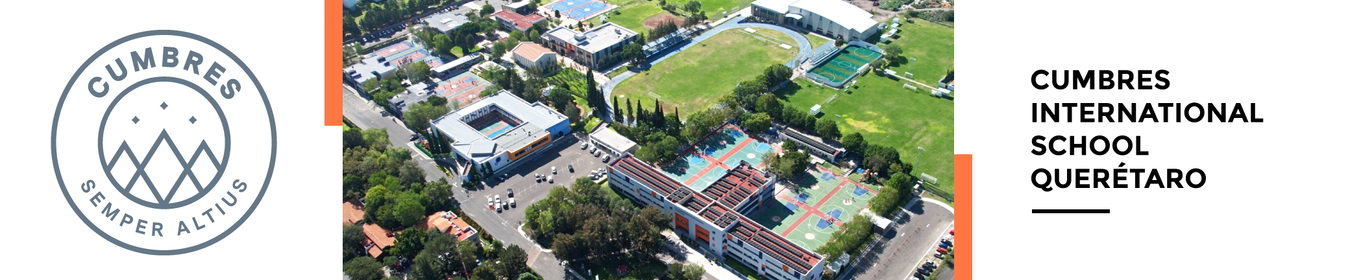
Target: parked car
[
  {"x": 942, "y": 245},
  {"x": 555, "y": 169},
  {"x": 550, "y": 178},
  {"x": 412, "y": 137},
  {"x": 585, "y": 145},
  {"x": 510, "y": 193},
  {"x": 513, "y": 202},
  {"x": 605, "y": 160},
  {"x": 942, "y": 250},
  {"x": 569, "y": 168}
]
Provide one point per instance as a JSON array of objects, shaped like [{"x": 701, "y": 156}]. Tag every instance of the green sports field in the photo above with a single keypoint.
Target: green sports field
[
  {"x": 695, "y": 78},
  {"x": 930, "y": 46},
  {"x": 631, "y": 13},
  {"x": 888, "y": 114}
]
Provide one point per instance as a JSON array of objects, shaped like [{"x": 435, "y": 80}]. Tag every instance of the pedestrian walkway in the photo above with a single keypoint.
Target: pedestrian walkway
[{"x": 694, "y": 257}]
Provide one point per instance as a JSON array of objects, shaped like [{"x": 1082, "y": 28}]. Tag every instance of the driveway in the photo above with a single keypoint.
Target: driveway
[{"x": 912, "y": 241}]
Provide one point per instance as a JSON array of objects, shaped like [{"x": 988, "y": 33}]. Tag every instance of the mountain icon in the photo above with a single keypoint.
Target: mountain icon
[{"x": 159, "y": 196}]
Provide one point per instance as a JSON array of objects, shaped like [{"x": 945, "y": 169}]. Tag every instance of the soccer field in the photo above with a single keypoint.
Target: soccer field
[
  {"x": 930, "y": 46},
  {"x": 888, "y": 114},
  {"x": 695, "y": 78}
]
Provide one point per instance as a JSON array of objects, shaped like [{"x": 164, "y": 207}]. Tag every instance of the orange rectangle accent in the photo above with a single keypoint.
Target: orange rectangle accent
[
  {"x": 332, "y": 63},
  {"x": 963, "y": 214}
]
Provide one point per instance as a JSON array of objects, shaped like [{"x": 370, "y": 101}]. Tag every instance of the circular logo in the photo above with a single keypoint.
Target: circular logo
[{"x": 163, "y": 142}]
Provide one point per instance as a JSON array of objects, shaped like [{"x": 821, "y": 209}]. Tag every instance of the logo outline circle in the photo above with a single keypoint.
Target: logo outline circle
[{"x": 262, "y": 190}]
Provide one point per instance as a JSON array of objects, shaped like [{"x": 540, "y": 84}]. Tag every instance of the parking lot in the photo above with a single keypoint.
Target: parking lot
[{"x": 521, "y": 180}]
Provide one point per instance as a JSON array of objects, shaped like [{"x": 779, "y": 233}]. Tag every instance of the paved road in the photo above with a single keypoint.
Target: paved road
[
  {"x": 367, "y": 114},
  {"x": 911, "y": 242}
]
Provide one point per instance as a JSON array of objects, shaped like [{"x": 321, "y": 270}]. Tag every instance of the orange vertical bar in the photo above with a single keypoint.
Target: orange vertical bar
[
  {"x": 963, "y": 222},
  {"x": 332, "y": 63}
]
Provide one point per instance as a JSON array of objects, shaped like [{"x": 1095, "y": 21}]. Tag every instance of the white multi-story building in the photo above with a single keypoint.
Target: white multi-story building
[
  {"x": 833, "y": 18},
  {"x": 498, "y": 130},
  {"x": 714, "y": 216}
]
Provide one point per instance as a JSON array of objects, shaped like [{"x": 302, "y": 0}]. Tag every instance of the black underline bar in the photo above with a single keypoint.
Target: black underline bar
[{"x": 1071, "y": 211}]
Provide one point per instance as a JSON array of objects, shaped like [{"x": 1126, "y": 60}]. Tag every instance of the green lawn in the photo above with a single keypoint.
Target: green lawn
[
  {"x": 817, "y": 40},
  {"x": 887, "y": 114},
  {"x": 694, "y": 78},
  {"x": 714, "y": 8},
  {"x": 930, "y": 46},
  {"x": 631, "y": 14},
  {"x": 744, "y": 270}
]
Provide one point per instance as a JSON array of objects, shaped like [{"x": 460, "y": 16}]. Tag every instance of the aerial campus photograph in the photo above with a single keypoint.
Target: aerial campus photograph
[{"x": 648, "y": 139}]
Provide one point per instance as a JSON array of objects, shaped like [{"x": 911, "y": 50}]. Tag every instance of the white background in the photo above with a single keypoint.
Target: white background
[
  {"x": 294, "y": 231},
  {"x": 1274, "y": 205}
]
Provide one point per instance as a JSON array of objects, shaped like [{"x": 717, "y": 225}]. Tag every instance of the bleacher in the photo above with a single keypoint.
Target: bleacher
[
  {"x": 818, "y": 147},
  {"x": 665, "y": 42}
]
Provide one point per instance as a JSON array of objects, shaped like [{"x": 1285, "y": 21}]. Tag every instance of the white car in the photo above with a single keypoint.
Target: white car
[
  {"x": 585, "y": 145},
  {"x": 550, "y": 178},
  {"x": 513, "y": 202},
  {"x": 555, "y": 170},
  {"x": 605, "y": 160}
]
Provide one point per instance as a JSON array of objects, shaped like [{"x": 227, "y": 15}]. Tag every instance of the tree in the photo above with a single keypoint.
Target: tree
[
  {"x": 769, "y": 104},
  {"x": 560, "y": 97},
  {"x": 437, "y": 260},
  {"x": 512, "y": 262},
  {"x": 438, "y": 194},
  {"x": 788, "y": 165},
  {"x": 630, "y": 108},
  {"x": 485, "y": 272},
  {"x": 573, "y": 114},
  {"x": 618, "y": 113},
  {"x": 349, "y": 25},
  {"x": 692, "y": 6},
  {"x": 893, "y": 195},
  {"x": 827, "y": 129},
  {"x": 352, "y": 238},
  {"x": 351, "y": 137},
  {"x": 419, "y": 115},
  {"x": 409, "y": 210},
  {"x": 776, "y": 74},
  {"x": 375, "y": 199},
  {"x": 466, "y": 253},
  {"x": 693, "y": 272},
  {"x": 529, "y": 276},
  {"x": 418, "y": 72},
  {"x": 893, "y": 52},
  {"x": 756, "y": 123},
  {"x": 660, "y": 148},
  {"x": 408, "y": 243},
  {"x": 790, "y": 146},
  {"x": 363, "y": 268},
  {"x": 487, "y": 10},
  {"x": 854, "y": 142}
]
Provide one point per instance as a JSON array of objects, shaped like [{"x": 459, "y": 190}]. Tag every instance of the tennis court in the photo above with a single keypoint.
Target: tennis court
[
  {"x": 496, "y": 128},
  {"x": 463, "y": 88},
  {"x": 710, "y": 158},
  {"x": 579, "y": 9},
  {"x": 811, "y": 212},
  {"x": 684, "y": 168}
]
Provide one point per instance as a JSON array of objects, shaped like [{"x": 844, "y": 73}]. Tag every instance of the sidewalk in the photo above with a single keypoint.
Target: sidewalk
[{"x": 692, "y": 256}]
